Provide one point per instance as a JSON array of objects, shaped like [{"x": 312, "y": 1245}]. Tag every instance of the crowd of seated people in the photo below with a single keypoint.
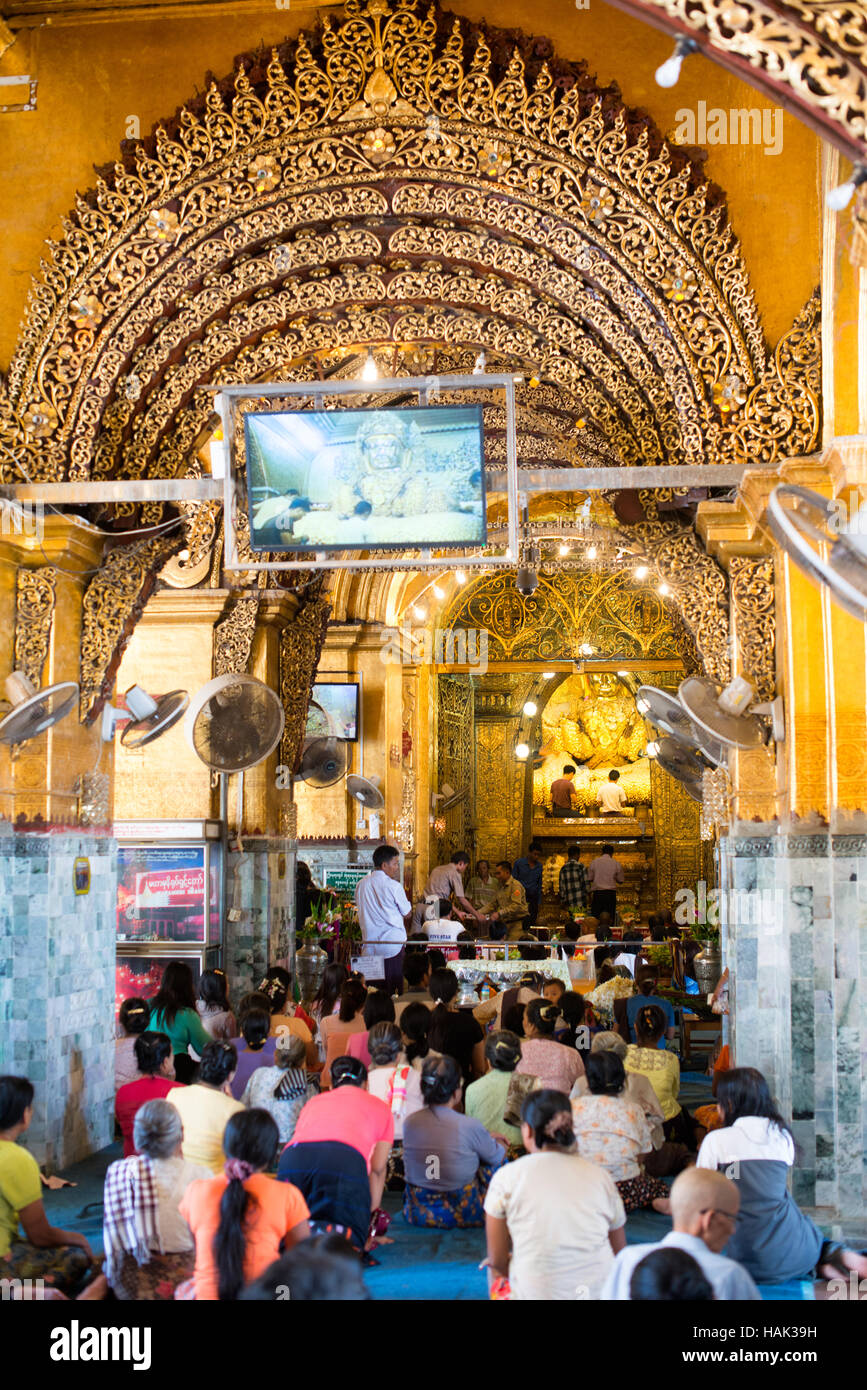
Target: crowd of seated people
[{"x": 259, "y": 1141}]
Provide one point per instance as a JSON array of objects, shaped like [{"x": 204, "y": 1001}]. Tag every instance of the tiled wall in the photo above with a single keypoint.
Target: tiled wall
[
  {"x": 265, "y": 898},
  {"x": 799, "y": 998},
  {"x": 57, "y": 954}
]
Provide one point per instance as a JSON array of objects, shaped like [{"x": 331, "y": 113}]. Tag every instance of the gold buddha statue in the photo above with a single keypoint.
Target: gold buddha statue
[{"x": 591, "y": 720}]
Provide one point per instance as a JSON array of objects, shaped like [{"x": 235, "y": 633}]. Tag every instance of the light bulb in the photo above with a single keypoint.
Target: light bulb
[
  {"x": 531, "y": 708},
  {"x": 642, "y": 705},
  {"x": 438, "y": 592},
  {"x": 641, "y": 572},
  {"x": 623, "y": 673},
  {"x": 652, "y": 749},
  {"x": 548, "y": 675},
  {"x": 592, "y": 552},
  {"x": 507, "y": 554},
  {"x": 370, "y": 371},
  {"x": 668, "y": 72},
  {"x": 522, "y": 752},
  {"x": 564, "y": 550},
  {"x": 839, "y": 198},
  {"x": 585, "y": 649},
  {"x": 420, "y": 613},
  {"x": 460, "y": 577},
  {"x": 663, "y": 589}
]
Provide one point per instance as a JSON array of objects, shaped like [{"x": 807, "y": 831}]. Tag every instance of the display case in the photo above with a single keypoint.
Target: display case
[{"x": 170, "y": 895}]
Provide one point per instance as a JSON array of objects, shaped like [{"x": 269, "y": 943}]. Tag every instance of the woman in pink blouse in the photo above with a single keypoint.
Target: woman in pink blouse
[
  {"x": 558, "y": 1067},
  {"x": 613, "y": 1131}
]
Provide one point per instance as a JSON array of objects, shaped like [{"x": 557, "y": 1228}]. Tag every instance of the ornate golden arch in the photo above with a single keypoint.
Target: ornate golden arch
[{"x": 401, "y": 179}]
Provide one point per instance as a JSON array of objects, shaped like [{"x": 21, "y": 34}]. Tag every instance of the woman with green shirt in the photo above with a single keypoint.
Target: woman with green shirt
[
  {"x": 486, "y": 1098},
  {"x": 59, "y": 1259},
  {"x": 174, "y": 1012}
]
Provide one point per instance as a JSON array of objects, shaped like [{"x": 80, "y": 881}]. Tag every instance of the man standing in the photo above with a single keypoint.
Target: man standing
[
  {"x": 605, "y": 872},
  {"x": 445, "y": 880},
  {"x": 383, "y": 913},
  {"x": 510, "y": 903},
  {"x": 528, "y": 872},
  {"x": 563, "y": 792},
  {"x": 704, "y": 1212},
  {"x": 572, "y": 884},
  {"x": 612, "y": 798}
]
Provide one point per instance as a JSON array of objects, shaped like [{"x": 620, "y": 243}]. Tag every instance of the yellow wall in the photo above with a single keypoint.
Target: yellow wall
[{"x": 93, "y": 77}]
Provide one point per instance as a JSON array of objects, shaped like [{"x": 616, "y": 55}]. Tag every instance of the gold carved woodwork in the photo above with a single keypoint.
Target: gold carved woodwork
[
  {"x": 233, "y": 636},
  {"x": 500, "y": 791},
  {"x": 455, "y": 740},
  {"x": 112, "y": 605},
  {"x": 814, "y": 47},
  {"x": 327, "y": 197},
  {"x": 677, "y": 837},
  {"x": 300, "y": 648},
  {"x": 610, "y": 611},
  {"x": 753, "y": 597},
  {"x": 35, "y": 597}
]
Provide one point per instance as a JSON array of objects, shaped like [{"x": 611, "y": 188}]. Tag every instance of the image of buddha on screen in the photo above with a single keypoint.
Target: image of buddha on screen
[{"x": 362, "y": 478}]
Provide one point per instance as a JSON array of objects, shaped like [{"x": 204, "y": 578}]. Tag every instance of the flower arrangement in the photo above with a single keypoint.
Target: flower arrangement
[
  {"x": 602, "y": 997},
  {"x": 333, "y": 921}
]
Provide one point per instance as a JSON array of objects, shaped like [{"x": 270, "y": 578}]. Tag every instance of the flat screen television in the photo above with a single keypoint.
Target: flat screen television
[
  {"x": 398, "y": 478},
  {"x": 337, "y": 715}
]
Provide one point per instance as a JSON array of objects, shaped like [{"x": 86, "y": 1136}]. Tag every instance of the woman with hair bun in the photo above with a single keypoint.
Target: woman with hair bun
[
  {"x": 242, "y": 1219},
  {"x": 134, "y": 1018},
  {"x": 486, "y": 1098},
  {"x": 213, "y": 1006},
  {"x": 392, "y": 1077},
  {"x": 612, "y": 1130},
  {"x": 554, "y": 1221},
  {"x": 448, "y": 1157},
  {"x": 647, "y": 1057},
  {"x": 558, "y": 1067}
]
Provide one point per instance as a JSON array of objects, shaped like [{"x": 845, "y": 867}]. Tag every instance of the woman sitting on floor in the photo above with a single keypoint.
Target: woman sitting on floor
[
  {"x": 554, "y": 1221},
  {"x": 662, "y": 1069},
  {"x": 326, "y": 1001},
  {"x": 378, "y": 1008},
  {"x": 213, "y": 1006},
  {"x": 61, "y": 1259},
  {"x": 173, "y": 1011},
  {"x": 155, "y": 1079},
  {"x": 612, "y": 1131},
  {"x": 452, "y": 1030},
  {"x": 284, "y": 1089},
  {"x": 557, "y": 1066},
  {"x": 448, "y": 1157},
  {"x": 133, "y": 1018},
  {"x": 148, "y": 1246},
  {"x": 257, "y": 1051},
  {"x": 414, "y": 1026},
  {"x": 242, "y": 1219},
  {"x": 286, "y": 1016},
  {"x": 394, "y": 1080},
  {"x": 350, "y": 1014},
  {"x": 486, "y": 1098},
  {"x": 207, "y": 1106},
  {"x": 773, "y": 1240}
]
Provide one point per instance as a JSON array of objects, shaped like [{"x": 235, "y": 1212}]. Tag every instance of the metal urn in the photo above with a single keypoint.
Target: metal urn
[
  {"x": 310, "y": 962},
  {"x": 707, "y": 967}
]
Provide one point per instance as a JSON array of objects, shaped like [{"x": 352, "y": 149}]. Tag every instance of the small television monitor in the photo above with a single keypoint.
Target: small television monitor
[
  {"x": 398, "y": 478},
  {"x": 337, "y": 715}
]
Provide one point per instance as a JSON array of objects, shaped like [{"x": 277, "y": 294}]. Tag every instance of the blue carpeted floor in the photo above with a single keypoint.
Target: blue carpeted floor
[{"x": 421, "y": 1264}]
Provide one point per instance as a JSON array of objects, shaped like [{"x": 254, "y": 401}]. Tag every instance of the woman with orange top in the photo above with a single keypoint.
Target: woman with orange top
[{"x": 242, "y": 1219}]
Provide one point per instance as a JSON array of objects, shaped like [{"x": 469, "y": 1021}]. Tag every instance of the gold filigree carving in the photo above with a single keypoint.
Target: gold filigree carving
[
  {"x": 300, "y": 647},
  {"x": 112, "y": 605},
  {"x": 280, "y": 192},
  {"x": 233, "y": 637},
  {"x": 35, "y": 597},
  {"x": 752, "y": 591}
]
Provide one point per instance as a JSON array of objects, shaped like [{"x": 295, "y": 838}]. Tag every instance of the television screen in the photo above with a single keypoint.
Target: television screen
[
  {"x": 337, "y": 716},
  {"x": 366, "y": 479},
  {"x": 161, "y": 893}
]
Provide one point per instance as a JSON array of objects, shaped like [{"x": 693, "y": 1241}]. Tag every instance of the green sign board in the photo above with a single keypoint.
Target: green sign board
[{"x": 345, "y": 880}]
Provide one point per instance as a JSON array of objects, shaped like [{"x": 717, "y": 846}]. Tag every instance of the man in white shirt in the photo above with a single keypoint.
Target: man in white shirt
[
  {"x": 704, "y": 1211},
  {"x": 443, "y": 881},
  {"x": 611, "y": 799},
  {"x": 605, "y": 873},
  {"x": 383, "y": 913}
]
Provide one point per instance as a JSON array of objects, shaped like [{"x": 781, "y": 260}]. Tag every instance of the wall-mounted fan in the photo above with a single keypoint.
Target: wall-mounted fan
[
  {"x": 731, "y": 716},
  {"x": 682, "y": 765},
  {"x": 367, "y": 791},
  {"x": 801, "y": 528},
  {"x": 665, "y": 712},
  {"x": 234, "y": 722},
  {"x": 145, "y": 716},
  {"x": 323, "y": 762},
  {"x": 29, "y": 711}
]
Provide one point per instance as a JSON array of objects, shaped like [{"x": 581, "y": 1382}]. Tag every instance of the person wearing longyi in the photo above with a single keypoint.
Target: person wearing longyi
[{"x": 384, "y": 912}]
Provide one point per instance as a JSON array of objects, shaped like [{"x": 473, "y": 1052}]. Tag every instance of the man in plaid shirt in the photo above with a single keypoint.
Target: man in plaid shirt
[{"x": 573, "y": 886}]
